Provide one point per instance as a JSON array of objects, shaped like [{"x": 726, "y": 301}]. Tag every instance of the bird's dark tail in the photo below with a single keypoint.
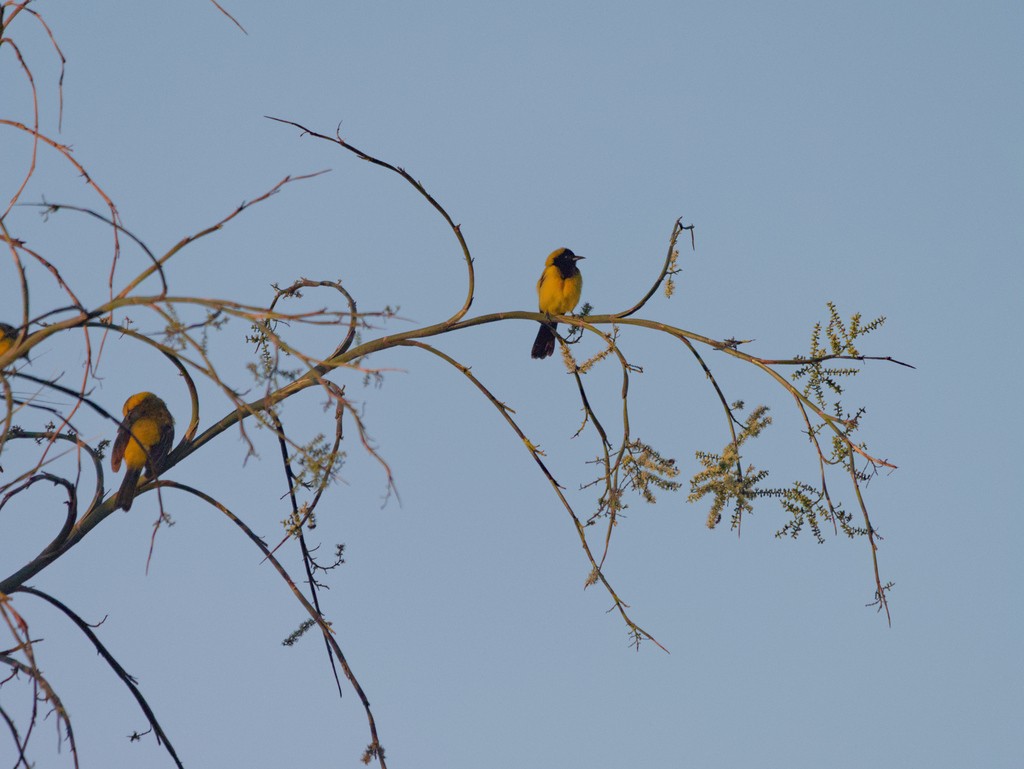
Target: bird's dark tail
[
  {"x": 126, "y": 495},
  {"x": 544, "y": 344}
]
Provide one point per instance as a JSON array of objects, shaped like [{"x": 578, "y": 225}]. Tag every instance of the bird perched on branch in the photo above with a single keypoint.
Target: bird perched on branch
[
  {"x": 143, "y": 442},
  {"x": 8, "y": 337},
  {"x": 558, "y": 292}
]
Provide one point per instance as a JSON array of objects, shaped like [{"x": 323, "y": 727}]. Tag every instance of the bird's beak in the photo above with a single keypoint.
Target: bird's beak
[{"x": 577, "y": 257}]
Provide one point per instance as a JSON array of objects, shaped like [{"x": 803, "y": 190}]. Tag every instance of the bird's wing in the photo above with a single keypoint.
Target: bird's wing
[{"x": 158, "y": 454}]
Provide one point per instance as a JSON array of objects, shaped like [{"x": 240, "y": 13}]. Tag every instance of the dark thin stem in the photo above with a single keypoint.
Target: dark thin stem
[
  {"x": 306, "y": 558},
  {"x": 324, "y": 626},
  {"x": 120, "y": 672},
  {"x": 455, "y": 228}
]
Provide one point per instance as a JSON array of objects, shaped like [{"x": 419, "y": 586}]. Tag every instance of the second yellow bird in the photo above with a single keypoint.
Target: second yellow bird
[
  {"x": 558, "y": 292},
  {"x": 8, "y": 337},
  {"x": 143, "y": 442}
]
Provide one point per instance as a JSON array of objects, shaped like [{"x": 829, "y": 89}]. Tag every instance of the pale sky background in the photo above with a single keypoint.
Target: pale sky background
[{"x": 869, "y": 154}]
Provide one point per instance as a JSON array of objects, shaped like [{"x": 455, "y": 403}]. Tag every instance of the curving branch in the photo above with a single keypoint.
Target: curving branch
[
  {"x": 42, "y": 690},
  {"x": 325, "y": 627},
  {"x": 637, "y": 632},
  {"x": 177, "y": 247},
  {"x": 65, "y": 151},
  {"x": 120, "y": 672},
  {"x": 666, "y": 269},
  {"x": 455, "y": 228}
]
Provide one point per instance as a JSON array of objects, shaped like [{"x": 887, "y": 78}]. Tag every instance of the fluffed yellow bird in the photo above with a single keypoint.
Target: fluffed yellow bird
[
  {"x": 558, "y": 292},
  {"x": 143, "y": 442}
]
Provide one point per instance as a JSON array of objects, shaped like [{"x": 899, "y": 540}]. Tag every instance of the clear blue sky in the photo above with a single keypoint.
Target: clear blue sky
[{"x": 869, "y": 154}]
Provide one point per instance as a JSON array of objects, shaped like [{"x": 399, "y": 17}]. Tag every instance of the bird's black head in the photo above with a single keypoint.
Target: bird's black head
[{"x": 566, "y": 262}]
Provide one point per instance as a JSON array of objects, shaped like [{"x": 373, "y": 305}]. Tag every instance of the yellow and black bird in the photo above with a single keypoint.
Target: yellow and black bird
[
  {"x": 143, "y": 442},
  {"x": 8, "y": 337},
  {"x": 558, "y": 292}
]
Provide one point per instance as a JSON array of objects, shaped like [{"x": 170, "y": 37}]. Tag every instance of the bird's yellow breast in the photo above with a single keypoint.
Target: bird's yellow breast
[
  {"x": 557, "y": 295},
  {"x": 147, "y": 432}
]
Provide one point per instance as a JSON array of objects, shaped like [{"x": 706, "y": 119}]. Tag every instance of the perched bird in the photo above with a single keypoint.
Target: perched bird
[
  {"x": 8, "y": 336},
  {"x": 143, "y": 442},
  {"x": 558, "y": 291}
]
